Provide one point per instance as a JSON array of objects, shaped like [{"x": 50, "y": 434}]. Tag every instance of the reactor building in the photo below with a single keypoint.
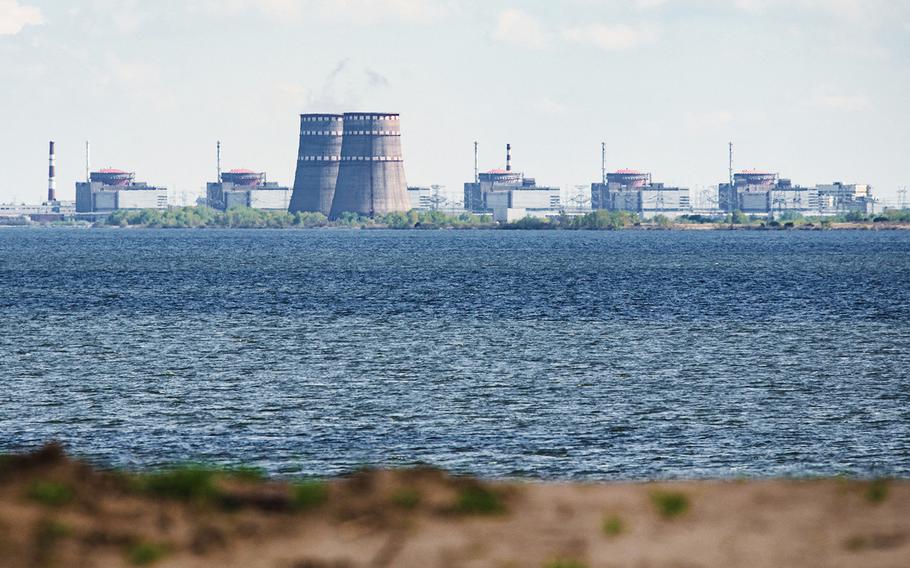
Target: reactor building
[
  {"x": 762, "y": 193},
  {"x": 509, "y": 196},
  {"x": 110, "y": 189},
  {"x": 246, "y": 188},
  {"x": 633, "y": 191},
  {"x": 350, "y": 163}
]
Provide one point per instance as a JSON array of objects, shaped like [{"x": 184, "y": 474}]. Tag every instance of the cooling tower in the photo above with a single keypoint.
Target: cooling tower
[
  {"x": 371, "y": 176},
  {"x": 318, "y": 158}
]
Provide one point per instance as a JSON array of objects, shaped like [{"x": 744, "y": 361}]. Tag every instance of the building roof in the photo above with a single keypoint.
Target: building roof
[
  {"x": 627, "y": 171},
  {"x": 242, "y": 171},
  {"x": 111, "y": 171}
]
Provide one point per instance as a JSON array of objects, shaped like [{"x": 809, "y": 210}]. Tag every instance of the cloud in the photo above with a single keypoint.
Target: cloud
[
  {"x": 13, "y": 17},
  {"x": 359, "y": 11},
  {"x": 848, "y": 103},
  {"x": 648, "y": 4},
  {"x": 708, "y": 120},
  {"x": 612, "y": 37},
  {"x": 517, "y": 27},
  {"x": 854, "y": 12},
  {"x": 549, "y": 107}
]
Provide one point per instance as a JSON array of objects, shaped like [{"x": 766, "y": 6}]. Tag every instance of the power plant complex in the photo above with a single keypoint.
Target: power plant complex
[{"x": 352, "y": 163}]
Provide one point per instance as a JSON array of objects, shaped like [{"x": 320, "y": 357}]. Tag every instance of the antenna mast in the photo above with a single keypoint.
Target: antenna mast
[
  {"x": 218, "y": 160},
  {"x": 603, "y": 163},
  {"x": 731, "y": 163},
  {"x": 88, "y": 175},
  {"x": 476, "y": 174}
]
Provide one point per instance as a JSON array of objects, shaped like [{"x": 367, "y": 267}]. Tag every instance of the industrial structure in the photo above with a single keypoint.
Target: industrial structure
[
  {"x": 763, "y": 193},
  {"x": 110, "y": 189},
  {"x": 836, "y": 198},
  {"x": 371, "y": 177},
  {"x": 246, "y": 188},
  {"x": 51, "y": 176},
  {"x": 633, "y": 191},
  {"x": 509, "y": 195},
  {"x": 318, "y": 159}
]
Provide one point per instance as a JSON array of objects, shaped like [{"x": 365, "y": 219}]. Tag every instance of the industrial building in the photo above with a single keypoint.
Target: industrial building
[
  {"x": 762, "y": 193},
  {"x": 50, "y": 211},
  {"x": 350, "y": 163},
  {"x": 424, "y": 198},
  {"x": 509, "y": 195},
  {"x": 318, "y": 159},
  {"x": 371, "y": 177},
  {"x": 111, "y": 189},
  {"x": 633, "y": 191},
  {"x": 837, "y": 198},
  {"x": 47, "y": 212},
  {"x": 246, "y": 188}
]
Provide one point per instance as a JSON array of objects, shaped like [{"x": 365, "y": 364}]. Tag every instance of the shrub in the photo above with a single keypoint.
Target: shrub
[
  {"x": 50, "y": 493},
  {"x": 406, "y": 498},
  {"x": 613, "y": 526},
  {"x": 186, "y": 483},
  {"x": 145, "y": 553},
  {"x": 877, "y": 491},
  {"x": 563, "y": 563},
  {"x": 478, "y": 500},
  {"x": 309, "y": 494},
  {"x": 670, "y": 504}
]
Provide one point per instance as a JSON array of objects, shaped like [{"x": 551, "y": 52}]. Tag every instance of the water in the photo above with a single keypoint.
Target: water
[{"x": 556, "y": 355}]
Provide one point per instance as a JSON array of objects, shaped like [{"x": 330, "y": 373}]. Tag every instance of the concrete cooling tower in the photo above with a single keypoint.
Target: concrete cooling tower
[
  {"x": 371, "y": 174},
  {"x": 318, "y": 158}
]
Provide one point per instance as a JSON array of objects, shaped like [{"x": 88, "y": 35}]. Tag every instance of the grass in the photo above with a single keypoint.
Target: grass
[
  {"x": 613, "y": 526},
  {"x": 406, "y": 498},
  {"x": 246, "y": 473},
  {"x": 50, "y": 493},
  {"x": 145, "y": 553},
  {"x": 185, "y": 483},
  {"x": 563, "y": 563},
  {"x": 877, "y": 491},
  {"x": 49, "y": 531},
  {"x": 309, "y": 494},
  {"x": 670, "y": 504},
  {"x": 477, "y": 500}
]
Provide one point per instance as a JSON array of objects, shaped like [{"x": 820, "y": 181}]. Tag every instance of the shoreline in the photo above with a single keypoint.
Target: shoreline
[
  {"x": 55, "y": 510},
  {"x": 680, "y": 227}
]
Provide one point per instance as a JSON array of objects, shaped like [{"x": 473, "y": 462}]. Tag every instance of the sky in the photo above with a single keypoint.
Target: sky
[{"x": 817, "y": 90}]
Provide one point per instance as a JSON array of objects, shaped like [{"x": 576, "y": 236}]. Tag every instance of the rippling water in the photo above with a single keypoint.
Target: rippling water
[{"x": 559, "y": 355}]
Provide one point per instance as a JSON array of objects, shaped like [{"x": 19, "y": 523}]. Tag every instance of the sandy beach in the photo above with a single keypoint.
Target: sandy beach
[{"x": 55, "y": 511}]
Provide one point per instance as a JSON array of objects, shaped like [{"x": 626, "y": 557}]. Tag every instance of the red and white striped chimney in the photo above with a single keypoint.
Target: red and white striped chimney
[
  {"x": 51, "y": 176},
  {"x": 508, "y": 157}
]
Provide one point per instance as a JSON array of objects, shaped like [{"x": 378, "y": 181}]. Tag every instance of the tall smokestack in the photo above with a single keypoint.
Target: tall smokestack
[
  {"x": 51, "y": 176},
  {"x": 508, "y": 157},
  {"x": 476, "y": 176},
  {"x": 603, "y": 163},
  {"x": 218, "y": 159},
  {"x": 88, "y": 175}
]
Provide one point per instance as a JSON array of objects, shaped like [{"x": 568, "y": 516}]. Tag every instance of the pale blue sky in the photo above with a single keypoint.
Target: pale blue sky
[{"x": 818, "y": 90}]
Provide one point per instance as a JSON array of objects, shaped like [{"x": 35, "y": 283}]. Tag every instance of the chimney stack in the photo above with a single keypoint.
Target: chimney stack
[
  {"x": 51, "y": 176},
  {"x": 508, "y": 157}
]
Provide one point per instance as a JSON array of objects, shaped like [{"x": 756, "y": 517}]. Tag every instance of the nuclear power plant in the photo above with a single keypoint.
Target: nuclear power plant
[{"x": 350, "y": 163}]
